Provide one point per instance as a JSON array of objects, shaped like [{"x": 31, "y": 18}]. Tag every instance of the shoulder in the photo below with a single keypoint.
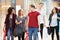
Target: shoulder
[
  {"x": 14, "y": 15},
  {"x": 37, "y": 12},
  {"x": 29, "y": 13}
]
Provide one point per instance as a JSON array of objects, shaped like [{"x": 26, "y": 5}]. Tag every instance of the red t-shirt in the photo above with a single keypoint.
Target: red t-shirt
[{"x": 33, "y": 19}]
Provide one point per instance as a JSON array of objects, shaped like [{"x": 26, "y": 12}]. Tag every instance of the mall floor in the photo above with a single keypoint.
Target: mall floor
[{"x": 45, "y": 35}]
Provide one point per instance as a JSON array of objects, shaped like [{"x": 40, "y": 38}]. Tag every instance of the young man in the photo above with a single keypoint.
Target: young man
[
  {"x": 42, "y": 18},
  {"x": 33, "y": 25}
]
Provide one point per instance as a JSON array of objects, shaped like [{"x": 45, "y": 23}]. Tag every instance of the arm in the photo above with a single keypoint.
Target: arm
[
  {"x": 27, "y": 23},
  {"x": 44, "y": 20},
  {"x": 5, "y": 23},
  {"x": 58, "y": 18},
  {"x": 39, "y": 22},
  {"x": 18, "y": 22}
]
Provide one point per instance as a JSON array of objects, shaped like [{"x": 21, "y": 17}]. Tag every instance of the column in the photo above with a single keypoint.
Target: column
[{"x": 13, "y": 3}]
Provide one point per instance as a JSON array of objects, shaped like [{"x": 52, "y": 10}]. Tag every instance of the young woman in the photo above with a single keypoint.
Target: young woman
[
  {"x": 10, "y": 23},
  {"x": 20, "y": 20},
  {"x": 53, "y": 19}
]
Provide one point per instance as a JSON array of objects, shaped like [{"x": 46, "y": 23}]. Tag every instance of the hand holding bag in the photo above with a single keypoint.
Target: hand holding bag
[{"x": 49, "y": 30}]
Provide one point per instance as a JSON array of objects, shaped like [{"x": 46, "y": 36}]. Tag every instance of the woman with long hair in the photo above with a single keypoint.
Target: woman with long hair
[
  {"x": 53, "y": 22},
  {"x": 20, "y": 21},
  {"x": 10, "y": 23}
]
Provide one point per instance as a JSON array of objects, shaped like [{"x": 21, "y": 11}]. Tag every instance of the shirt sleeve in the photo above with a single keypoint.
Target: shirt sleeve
[
  {"x": 28, "y": 14},
  {"x": 38, "y": 13}
]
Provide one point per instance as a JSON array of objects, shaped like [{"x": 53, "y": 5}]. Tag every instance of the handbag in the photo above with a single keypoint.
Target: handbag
[
  {"x": 4, "y": 37},
  {"x": 18, "y": 31},
  {"x": 49, "y": 30},
  {"x": 26, "y": 37},
  {"x": 39, "y": 37}
]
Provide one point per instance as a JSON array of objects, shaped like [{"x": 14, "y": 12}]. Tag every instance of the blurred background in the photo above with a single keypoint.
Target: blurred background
[{"x": 18, "y": 4}]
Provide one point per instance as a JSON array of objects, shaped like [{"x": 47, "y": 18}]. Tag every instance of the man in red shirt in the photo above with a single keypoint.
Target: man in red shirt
[{"x": 33, "y": 23}]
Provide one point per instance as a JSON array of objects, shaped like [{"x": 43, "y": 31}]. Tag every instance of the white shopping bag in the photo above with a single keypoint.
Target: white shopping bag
[
  {"x": 45, "y": 34},
  {"x": 39, "y": 36}
]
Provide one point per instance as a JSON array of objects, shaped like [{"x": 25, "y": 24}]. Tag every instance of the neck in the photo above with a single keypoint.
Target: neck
[
  {"x": 39, "y": 9},
  {"x": 11, "y": 14},
  {"x": 55, "y": 13},
  {"x": 33, "y": 10}
]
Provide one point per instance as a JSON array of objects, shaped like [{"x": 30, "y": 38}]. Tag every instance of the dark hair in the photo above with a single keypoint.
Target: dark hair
[
  {"x": 52, "y": 13},
  {"x": 10, "y": 10},
  {"x": 33, "y": 6}
]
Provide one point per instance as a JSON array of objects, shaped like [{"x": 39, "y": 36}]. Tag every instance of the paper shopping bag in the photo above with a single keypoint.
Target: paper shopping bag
[{"x": 26, "y": 36}]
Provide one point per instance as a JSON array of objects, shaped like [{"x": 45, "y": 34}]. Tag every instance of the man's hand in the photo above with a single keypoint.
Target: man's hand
[{"x": 38, "y": 29}]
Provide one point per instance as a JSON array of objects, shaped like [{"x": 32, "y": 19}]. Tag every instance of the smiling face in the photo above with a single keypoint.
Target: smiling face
[
  {"x": 55, "y": 10},
  {"x": 21, "y": 12}
]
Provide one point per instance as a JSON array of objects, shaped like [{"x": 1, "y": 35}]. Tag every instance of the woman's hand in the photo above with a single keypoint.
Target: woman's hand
[
  {"x": 19, "y": 22},
  {"x": 58, "y": 18},
  {"x": 4, "y": 27}
]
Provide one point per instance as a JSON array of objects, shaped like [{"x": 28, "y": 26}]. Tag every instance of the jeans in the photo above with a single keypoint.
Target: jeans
[
  {"x": 34, "y": 32},
  {"x": 9, "y": 33}
]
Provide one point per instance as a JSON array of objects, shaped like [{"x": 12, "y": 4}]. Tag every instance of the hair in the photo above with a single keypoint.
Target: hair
[
  {"x": 33, "y": 6},
  {"x": 52, "y": 13},
  {"x": 41, "y": 3},
  {"x": 10, "y": 10},
  {"x": 19, "y": 13}
]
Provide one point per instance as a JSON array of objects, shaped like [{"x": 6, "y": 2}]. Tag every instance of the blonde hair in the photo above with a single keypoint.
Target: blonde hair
[{"x": 19, "y": 13}]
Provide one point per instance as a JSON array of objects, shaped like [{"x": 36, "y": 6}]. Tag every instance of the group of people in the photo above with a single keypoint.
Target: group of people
[{"x": 33, "y": 23}]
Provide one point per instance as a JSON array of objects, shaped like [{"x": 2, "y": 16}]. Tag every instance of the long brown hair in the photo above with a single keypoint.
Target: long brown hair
[
  {"x": 52, "y": 13},
  {"x": 19, "y": 13}
]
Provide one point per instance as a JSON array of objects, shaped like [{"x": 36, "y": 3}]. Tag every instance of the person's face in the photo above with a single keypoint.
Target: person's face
[
  {"x": 22, "y": 12},
  {"x": 54, "y": 10},
  {"x": 40, "y": 6},
  {"x": 13, "y": 11},
  {"x": 30, "y": 8}
]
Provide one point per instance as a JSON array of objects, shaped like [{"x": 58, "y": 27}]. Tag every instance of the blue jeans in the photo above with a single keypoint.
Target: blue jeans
[
  {"x": 34, "y": 32},
  {"x": 9, "y": 33}
]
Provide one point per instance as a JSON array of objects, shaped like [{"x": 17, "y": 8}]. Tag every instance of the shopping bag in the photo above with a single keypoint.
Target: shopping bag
[
  {"x": 39, "y": 36},
  {"x": 45, "y": 34},
  {"x": 4, "y": 34},
  {"x": 49, "y": 30},
  {"x": 26, "y": 36}
]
